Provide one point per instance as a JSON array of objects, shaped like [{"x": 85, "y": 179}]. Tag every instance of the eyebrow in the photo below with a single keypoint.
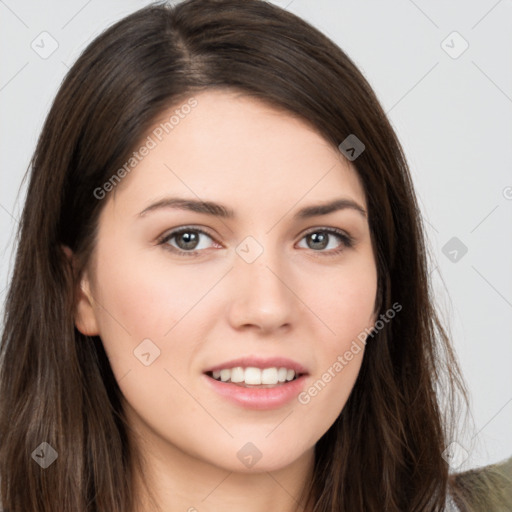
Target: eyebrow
[{"x": 219, "y": 210}]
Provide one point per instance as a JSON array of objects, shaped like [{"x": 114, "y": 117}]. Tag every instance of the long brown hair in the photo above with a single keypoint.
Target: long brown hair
[{"x": 384, "y": 451}]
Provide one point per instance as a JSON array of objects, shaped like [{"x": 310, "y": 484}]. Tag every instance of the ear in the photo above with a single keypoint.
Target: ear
[{"x": 84, "y": 317}]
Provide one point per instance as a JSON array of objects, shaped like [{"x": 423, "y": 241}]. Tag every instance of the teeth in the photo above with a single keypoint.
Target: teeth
[
  {"x": 237, "y": 374},
  {"x": 269, "y": 376},
  {"x": 254, "y": 376}
]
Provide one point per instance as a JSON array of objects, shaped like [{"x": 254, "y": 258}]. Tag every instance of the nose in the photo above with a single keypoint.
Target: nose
[{"x": 262, "y": 295}]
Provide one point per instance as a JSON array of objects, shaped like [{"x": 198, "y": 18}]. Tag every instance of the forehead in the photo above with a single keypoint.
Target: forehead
[{"x": 234, "y": 148}]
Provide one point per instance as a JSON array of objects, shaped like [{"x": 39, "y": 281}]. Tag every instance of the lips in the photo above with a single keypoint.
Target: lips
[{"x": 257, "y": 383}]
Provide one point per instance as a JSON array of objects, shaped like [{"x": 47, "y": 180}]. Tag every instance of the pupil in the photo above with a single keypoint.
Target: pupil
[
  {"x": 320, "y": 238},
  {"x": 190, "y": 240}
]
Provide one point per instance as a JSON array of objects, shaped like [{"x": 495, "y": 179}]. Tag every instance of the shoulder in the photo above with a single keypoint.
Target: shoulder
[{"x": 485, "y": 489}]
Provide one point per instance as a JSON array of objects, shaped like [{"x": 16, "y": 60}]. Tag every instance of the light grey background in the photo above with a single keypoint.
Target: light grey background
[{"x": 452, "y": 112}]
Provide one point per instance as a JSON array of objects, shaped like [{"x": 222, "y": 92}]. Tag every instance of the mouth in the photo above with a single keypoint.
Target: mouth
[
  {"x": 254, "y": 377},
  {"x": 257, "y": 383}
]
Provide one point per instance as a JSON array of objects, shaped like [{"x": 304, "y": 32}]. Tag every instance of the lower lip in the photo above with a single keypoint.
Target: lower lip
[{"x": 258, "y": 398}]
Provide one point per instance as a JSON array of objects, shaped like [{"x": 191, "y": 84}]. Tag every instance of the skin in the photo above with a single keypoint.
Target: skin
[{"x": 294, "y": 300}]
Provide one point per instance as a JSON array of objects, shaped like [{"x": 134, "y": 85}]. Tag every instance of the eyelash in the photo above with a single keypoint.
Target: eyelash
[{"x": 347, "y": 240}]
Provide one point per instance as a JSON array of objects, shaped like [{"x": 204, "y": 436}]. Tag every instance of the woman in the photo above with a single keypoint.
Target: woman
[{"x": 288, "y": 364}]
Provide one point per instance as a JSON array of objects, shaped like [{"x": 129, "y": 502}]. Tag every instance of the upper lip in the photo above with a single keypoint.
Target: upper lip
[{"x": 259, "y": 362}]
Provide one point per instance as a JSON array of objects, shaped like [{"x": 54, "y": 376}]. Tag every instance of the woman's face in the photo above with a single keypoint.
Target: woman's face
[{"x": 269, "y": 286}]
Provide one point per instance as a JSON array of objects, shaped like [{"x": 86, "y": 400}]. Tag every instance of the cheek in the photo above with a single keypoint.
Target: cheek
[
  {"x": 353, "y": 303},
  {"x": 147, "y": 294},
  {"x": 142, "y": 315},
  {"x": 325, "y": 395},
  {"x": 143, "y": 298},
  {"x": 338, "y": 357},
  {"x": 345, "y": 299},
  {"x": 345, "y": 303}
]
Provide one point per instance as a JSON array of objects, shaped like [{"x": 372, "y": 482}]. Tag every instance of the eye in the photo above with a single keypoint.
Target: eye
[
  {"x": 188, "y": 241},
  {"x": 319, "y": 239}
]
